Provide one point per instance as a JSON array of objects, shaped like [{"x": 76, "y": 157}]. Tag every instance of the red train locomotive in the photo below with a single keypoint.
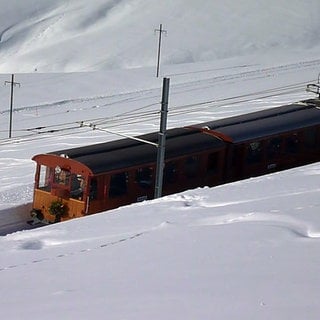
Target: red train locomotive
[{"x": 81, "y": 181}]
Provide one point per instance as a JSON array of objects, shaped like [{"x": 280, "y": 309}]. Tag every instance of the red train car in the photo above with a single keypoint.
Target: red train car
[{"x": 81, "y": 181}]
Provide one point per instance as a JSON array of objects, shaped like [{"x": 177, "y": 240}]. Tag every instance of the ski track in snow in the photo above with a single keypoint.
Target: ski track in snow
[{"x": 251, "y": 75}]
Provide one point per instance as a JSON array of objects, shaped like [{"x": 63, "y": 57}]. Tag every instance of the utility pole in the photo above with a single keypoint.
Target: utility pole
[
  {"x": 162, "y": 138},
  {"x": 160, "y": 30},
  {"x": 13, "y": 84},
  {"x": 161, "y": 145}
]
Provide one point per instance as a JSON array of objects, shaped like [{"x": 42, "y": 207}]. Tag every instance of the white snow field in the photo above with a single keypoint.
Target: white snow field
[{"x": 247, "y": 250}]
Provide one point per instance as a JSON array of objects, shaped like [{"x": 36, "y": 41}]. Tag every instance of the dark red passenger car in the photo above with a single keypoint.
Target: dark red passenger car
[{"x": 80, "y": 181}]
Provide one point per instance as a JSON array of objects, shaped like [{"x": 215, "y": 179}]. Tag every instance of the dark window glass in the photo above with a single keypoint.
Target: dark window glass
[
  {"x": 118, "y": 185},
  {"x": 213, "y": 162},
  {"x": 292, "y": 144},
  {"x": 170, "y": 173},
  {"x": 191, "y": 166},
  {"x": 274, "y": 148},
  {"x": 93, "y": 193},
  {"x": 254, "y": 152},
  {"x": 237, "y": 155},
  {"x": 77, "y": 186},
  {"x": 310, "y": 138},
  {"x": 144, "y": 177}
]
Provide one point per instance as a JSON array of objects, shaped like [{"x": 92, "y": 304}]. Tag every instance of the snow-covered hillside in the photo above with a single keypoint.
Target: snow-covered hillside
[
  {"x": 247, "y": 250},
  {"x": 74, "y": 35}
]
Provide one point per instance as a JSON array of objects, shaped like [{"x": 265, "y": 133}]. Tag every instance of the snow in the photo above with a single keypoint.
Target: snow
[
  {"x": 33, "y": 36},
  {"x": 247, "y": 250}
]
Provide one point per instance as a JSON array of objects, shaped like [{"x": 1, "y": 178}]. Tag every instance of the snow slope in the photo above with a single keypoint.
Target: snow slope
[
  {"x": 244, "y": 251},
  {"x": 247, "y": 250},
  {"x": 55, "y": 36}
]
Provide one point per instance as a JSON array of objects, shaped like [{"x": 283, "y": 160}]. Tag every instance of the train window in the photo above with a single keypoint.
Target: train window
[
  {"x": 144, "y": 177},
  {"x": 292, "y": 144},
  {"x": 77, "y": 186},
  {"x": 118, "y": 185},
  {"x": 61, "y": 176},
  {"x": 254, "y": 152},
  {"x": 213, "y": 162},
  {"x": 170, "y": 173},
  {"x": 44, "y": 178},
  {"x": 93, "y": 193},
  {"x": 191, "y": 166},
  {"x": 310, "y": 137},
  {"x": 274, "y": 148}
]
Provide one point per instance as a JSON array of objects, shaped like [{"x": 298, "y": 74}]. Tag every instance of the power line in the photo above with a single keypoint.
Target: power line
[{"x": 135, "y": 116}]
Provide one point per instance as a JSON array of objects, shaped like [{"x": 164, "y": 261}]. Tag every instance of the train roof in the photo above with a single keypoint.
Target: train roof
[
  {"x": 267, "y": 122},
  {"x": 125, "y": 153}
]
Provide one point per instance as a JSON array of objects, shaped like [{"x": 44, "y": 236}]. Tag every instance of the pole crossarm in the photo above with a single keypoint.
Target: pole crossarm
[{"x": 12, "y": 83}]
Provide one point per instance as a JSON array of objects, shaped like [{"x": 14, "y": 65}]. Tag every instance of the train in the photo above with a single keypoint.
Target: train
[{"x": 81, "y": 181}]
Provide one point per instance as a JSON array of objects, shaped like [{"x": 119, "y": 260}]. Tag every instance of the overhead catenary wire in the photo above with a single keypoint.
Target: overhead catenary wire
[
  {"x": 113, "y": 123},
  {"x": 137, "y": 115},
  {"x": 195, "y": 107}
]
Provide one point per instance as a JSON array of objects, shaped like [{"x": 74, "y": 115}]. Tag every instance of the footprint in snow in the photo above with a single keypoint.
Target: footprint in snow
[{"x": 31, "y": 245}]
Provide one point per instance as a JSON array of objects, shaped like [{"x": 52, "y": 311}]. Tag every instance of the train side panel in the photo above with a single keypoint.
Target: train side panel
[
  {"x": 136, "y": 184},
  {"x": 274, "y": 153}
]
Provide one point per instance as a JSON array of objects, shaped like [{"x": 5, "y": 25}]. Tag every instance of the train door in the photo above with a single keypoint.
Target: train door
[
  {"x": 215, "y": 168},
  {"x": 311, "y": 143},
  {"x": 254, "y": 159},
  {"x": 235, "y": 162},
  {"x": 274, "y": 154},
  {"x": 118, "y": 190},
  {"x": 143, "y": 186},
  {"x": 95, "y": 195},
  {"x": 171, "y": 177},
  {"x": 192, "y": 173}
]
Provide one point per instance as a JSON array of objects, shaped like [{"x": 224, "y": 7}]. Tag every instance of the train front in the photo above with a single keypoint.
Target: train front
[{"x": 61, "y": 189}]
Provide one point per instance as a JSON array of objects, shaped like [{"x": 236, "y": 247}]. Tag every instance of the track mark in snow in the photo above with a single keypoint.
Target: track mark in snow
[
  {"x": 36, "y": 244},
  {"x": 246, "y": 75}
]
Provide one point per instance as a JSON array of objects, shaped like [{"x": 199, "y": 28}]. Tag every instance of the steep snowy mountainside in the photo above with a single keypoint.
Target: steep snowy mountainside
[{"x": 113, "y": 34}]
